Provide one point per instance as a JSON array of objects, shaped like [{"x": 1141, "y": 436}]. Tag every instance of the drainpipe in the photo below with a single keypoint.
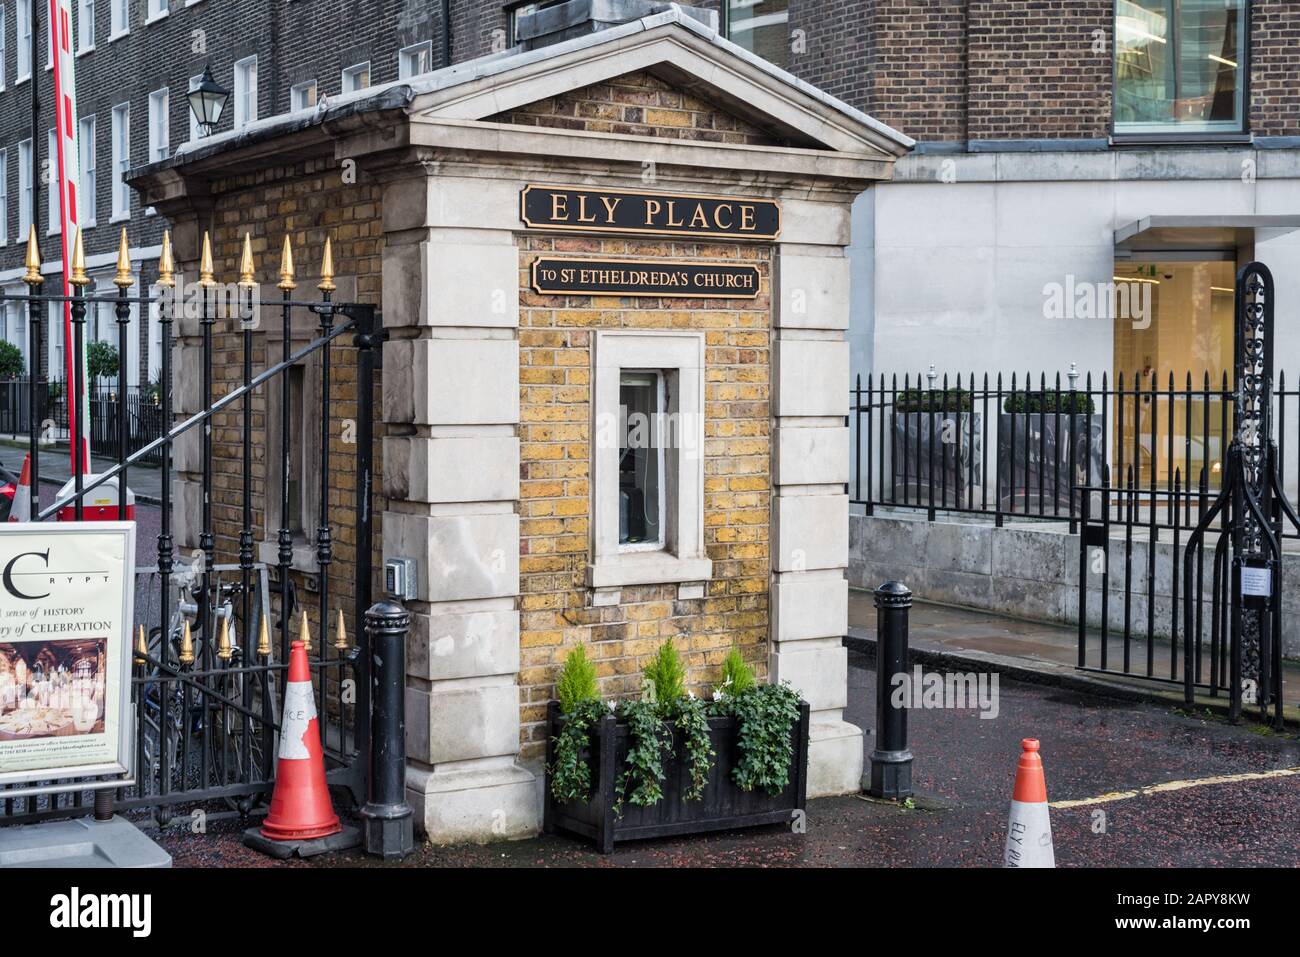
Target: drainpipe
[{"x": 446, "y": 32}]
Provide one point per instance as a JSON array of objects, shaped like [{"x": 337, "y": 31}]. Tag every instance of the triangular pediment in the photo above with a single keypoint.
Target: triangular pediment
[
  {"x": 672, "y": 55},
  {"x": 643, "y": 104}
]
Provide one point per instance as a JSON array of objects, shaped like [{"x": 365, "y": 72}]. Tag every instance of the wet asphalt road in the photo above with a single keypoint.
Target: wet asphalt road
[{"x": 963, "y": 774}]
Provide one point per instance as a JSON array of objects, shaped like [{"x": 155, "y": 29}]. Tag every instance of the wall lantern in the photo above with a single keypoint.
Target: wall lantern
[{"x": 207, "y": 100}]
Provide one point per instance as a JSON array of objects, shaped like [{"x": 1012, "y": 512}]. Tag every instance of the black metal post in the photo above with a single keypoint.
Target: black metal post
[
  {"x": 891, "y": 760},
  {"x": 368, "y": 340},
  {"x": 79, "y": 451},
  {"x": 123, "y": 315},
  {"x": 36, "y": 319},
  {"x": 387, "y": 822}
]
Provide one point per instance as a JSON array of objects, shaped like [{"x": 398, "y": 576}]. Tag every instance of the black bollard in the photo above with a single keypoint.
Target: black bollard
[
  {"x": 891, "y": 761},
  {"x": 386, "y": 817}
]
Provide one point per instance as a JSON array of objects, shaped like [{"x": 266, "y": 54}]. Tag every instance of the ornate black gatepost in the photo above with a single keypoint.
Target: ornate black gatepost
[{"x": 1251, "y": 504}]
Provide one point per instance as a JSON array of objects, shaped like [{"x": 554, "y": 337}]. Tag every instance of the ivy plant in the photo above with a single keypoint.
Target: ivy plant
[
  {"x": 571, "y": 772},
  {"x": 641, "y": 781},
  {"x": 764, "y": 715},
  {"x": 693, "y": 722}
]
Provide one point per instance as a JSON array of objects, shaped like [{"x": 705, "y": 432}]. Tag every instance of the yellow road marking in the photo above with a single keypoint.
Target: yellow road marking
[{"x": 1174, "y": 786}]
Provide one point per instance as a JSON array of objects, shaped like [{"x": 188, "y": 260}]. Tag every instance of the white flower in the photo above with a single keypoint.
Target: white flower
[
  {"x": 691, "y": 695},
  {"x": 727, "y": 682},
  {"x": 717, "y": 694},
  {"x": 612, "y": 704}
]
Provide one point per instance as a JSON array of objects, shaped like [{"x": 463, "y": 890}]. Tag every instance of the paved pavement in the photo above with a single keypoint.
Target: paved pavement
[
  {"x": 56, "y": 468},
  {"x": 1027, "y": 648},
  {"x": 964, "y": 769}
]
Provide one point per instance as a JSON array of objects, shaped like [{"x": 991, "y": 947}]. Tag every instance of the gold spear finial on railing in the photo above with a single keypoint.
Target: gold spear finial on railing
[
  {"x": 141, "y": 647},
  {"x": 246, "y": 267},
  {"x": 326, "y": 283},
  {"x": 286, "y": 267},
  {"x": 79, "y": 277},
  {"x": 186, "y": 655},
  {"x": 340, "y": 635},
  {"x": 166, "y": 265},
  {"x": 122, "y": 279},
  {"x": 263, "y": 640},
  {"x": 225, "y": 650},
  {"x": 304, "y": 633},
  {"x": 206, "y": 277},
  {"x": 33, "y": 275}
]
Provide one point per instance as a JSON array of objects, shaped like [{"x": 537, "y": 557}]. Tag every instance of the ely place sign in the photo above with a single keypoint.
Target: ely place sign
[
  {"x": 660, "y": 214},
  {"x": 627, "y": 277}
]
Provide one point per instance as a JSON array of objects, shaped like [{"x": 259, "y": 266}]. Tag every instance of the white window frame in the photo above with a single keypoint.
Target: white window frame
[
  {"x": 54, "y": 226},
  {"x": 405, "y": 68},
  {"x": 23, "y": 37},
  {"x": 87, "y": 163},
  {"x": 4, "y": 196},
  {"x": 296, "y": 94},
  {"x": 160, "y": 136},
  {"x": 245, "y": 94},
  {"x": 679, "y": 357},
  {"x": 26, "y": 194},
  {"x": 4, "y": 49},
  {"x": 119, "y": 24},
  {"x": 348, "y": 78},
  {"x": 121, "y": 151},
  {"x": 156, "y": 10},
  {"x": 85, "y": 22}
]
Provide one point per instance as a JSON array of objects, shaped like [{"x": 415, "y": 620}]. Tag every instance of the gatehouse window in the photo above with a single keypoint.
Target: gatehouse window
[
  {"x": 761, "y": 27},
  {"x": 1180, "y": 66},
  {"x": 647, "y": 459},
  {"x": 641, "y": 460}
]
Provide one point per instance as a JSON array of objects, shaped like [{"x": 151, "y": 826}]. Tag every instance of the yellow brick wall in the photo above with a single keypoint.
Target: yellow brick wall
[
  {"x": 308, "y": 201},
  {"x": 555, "y": 338}
]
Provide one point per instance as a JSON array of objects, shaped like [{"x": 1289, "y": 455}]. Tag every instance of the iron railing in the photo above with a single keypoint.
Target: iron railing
[
  {"x": 144, "y": 420},
  {"x": 1021, "y": 446},
  {"x": 210, "y": 666}
]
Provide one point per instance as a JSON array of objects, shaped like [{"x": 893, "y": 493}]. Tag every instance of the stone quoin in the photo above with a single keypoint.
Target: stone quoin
[{"x": 493, "y": 478}]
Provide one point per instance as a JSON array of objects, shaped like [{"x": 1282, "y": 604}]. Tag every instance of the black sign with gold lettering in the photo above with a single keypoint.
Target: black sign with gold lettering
[
  {"x": 627, "y": 277},
  {"x": 664, "y": 214}
]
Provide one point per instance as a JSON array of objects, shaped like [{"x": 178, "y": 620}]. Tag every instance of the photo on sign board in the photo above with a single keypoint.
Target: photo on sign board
[{"x": 52, "y": 689}]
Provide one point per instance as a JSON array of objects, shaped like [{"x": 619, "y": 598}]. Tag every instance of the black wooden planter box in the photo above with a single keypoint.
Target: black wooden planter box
[{"x": 722, "y": 806}]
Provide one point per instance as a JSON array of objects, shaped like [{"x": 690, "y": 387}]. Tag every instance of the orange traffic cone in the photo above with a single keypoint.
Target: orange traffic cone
[
  {"x": 1029, "y": 831},
  {"x": 301, "y": 819},
  {"x": 21, "y": 510},
  {"x": 300, "y": 805}
]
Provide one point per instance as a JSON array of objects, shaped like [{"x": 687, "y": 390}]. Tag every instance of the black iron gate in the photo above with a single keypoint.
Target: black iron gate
[
  {"x": 1206, "y": 616},
  {"x": 212, "y": 638}
]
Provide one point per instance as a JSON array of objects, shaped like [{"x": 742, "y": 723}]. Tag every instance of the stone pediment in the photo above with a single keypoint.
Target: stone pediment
[{"x": 670, "y": 53}]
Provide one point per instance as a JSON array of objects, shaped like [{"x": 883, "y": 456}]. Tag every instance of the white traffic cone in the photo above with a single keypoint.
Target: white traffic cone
[
  {"x": 1029, "y": 831},
  {"x": 21, "y": 510}
]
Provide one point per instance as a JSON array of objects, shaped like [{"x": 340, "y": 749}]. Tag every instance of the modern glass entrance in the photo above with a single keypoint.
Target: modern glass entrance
[{"x": 1172, "y": 317}]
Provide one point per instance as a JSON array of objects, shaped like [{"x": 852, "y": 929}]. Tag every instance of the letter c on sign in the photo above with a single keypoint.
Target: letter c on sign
[{"x": 8, "y": 579}]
